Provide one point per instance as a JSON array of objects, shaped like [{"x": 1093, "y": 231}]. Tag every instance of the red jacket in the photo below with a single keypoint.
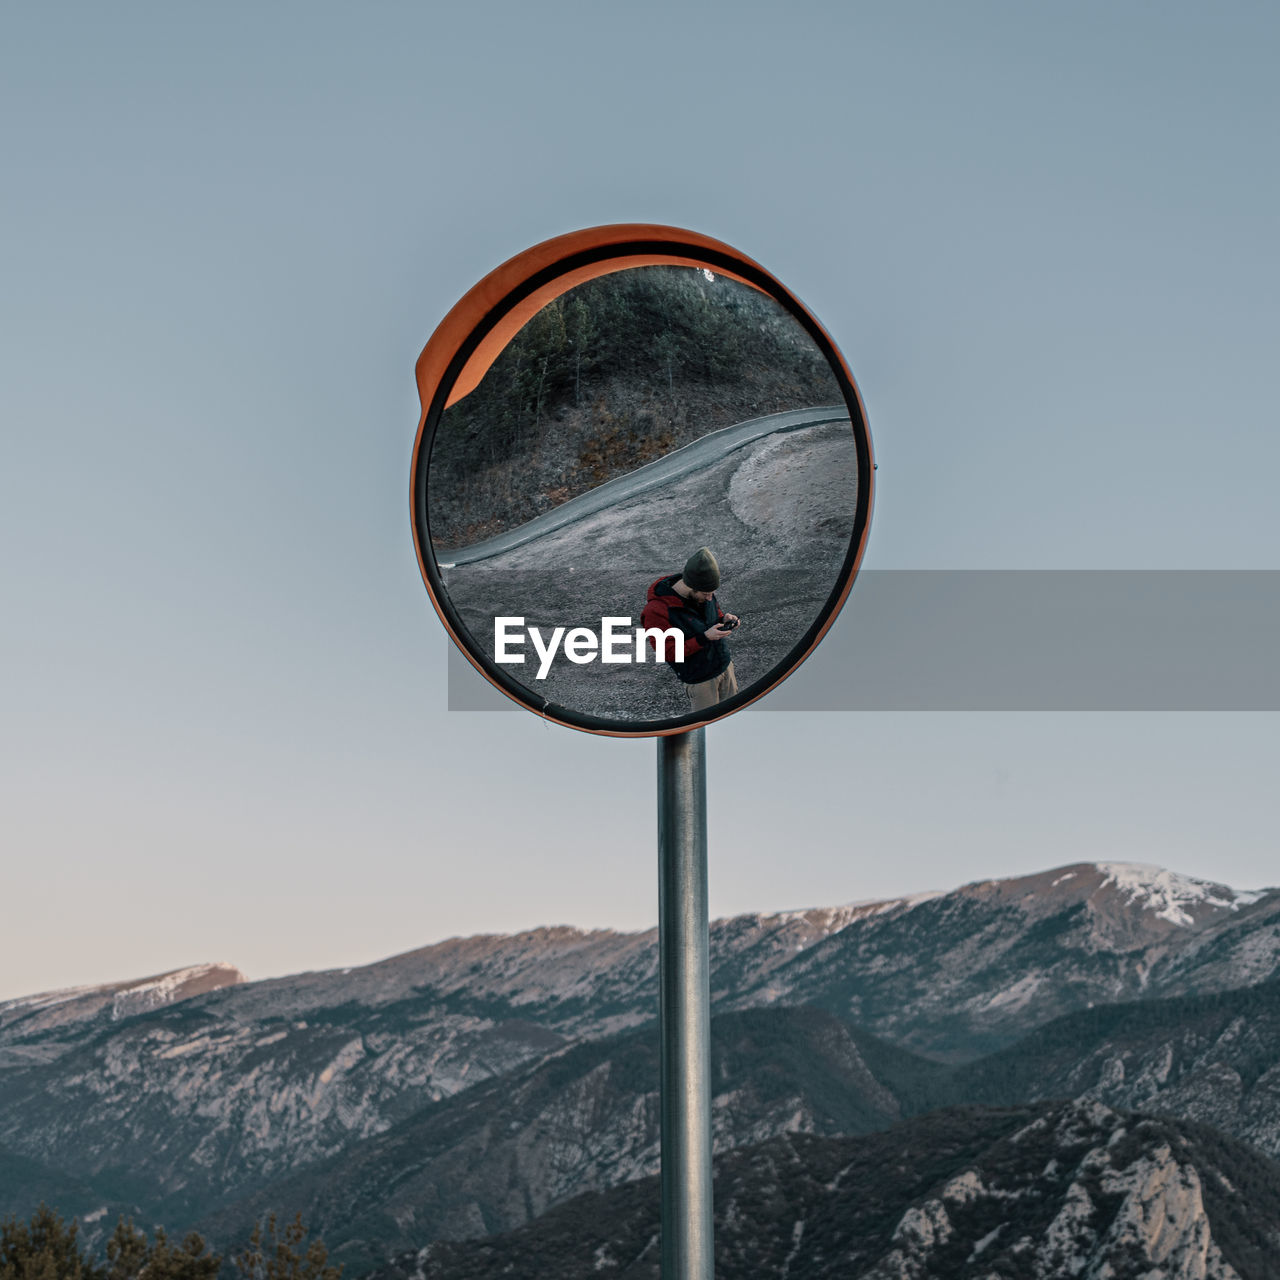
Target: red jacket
[{"x": 665, "y": 608}]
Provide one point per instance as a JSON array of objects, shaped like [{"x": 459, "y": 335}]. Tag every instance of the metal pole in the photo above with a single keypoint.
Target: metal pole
[{"x": 685, "y": 1013}]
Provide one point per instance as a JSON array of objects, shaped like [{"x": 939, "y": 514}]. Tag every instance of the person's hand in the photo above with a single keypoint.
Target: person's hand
[
  {"x": 732, "y": 617},
  {"x": 716, "y": 633}
]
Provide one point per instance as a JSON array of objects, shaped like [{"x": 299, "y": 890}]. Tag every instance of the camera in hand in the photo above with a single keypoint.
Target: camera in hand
[{"x": 727, "y": 624}]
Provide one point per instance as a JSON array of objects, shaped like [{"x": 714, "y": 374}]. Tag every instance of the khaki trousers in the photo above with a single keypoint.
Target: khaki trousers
[{"x": 709, "y": 692}]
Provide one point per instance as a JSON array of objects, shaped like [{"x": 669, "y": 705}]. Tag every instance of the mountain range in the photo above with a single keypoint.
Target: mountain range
[{"x": 471, "y": 1087}]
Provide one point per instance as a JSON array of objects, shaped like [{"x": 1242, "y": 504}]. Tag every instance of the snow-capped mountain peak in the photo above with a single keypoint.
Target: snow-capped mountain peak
[
  {"x": 1169, "y": 895},
  {"x": 82, "y": 1005}
]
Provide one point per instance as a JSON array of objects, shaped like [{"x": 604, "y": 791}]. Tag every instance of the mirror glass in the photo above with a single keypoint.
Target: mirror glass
[{"x": 635, "y": 420}]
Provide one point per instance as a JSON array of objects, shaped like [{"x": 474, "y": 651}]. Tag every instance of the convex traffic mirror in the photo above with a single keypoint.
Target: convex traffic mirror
[{"x": 642, "y": 479}]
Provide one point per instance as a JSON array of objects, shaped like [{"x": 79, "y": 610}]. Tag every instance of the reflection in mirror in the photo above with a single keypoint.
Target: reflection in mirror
[{"x": 636, "y": 418}]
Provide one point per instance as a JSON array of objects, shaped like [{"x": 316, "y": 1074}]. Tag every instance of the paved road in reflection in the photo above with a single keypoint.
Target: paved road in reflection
[{"x": 702, "y": 453}]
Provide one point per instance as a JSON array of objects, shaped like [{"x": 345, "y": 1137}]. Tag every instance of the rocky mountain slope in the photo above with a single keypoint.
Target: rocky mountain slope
[
  {"x": 583, "y": 1119},
  {"x": 1214, "y": 1059},
  {"x": 966, "y": 972},
  {"x": 586, "y": 1118},
  {"x": 37, "y": 1028},
  {"x": 180, "y": 1108},
  {"x": 1067, "y": 1190},
  {"x": 25, "y": 1184}
]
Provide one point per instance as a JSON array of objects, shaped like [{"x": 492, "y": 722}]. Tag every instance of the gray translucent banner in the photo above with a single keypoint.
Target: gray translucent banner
[{"x": 1025, "y": 640}]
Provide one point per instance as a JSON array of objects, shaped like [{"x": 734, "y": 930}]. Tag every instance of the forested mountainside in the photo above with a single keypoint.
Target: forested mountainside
[{"x": 615, "y": 373}]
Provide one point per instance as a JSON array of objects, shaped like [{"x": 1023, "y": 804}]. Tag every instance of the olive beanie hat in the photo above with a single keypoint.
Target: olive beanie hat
[{"x": 701, "y": 572}]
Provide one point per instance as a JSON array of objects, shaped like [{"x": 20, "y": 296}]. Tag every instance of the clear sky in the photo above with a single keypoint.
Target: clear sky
[{"x": 1043, "y": 235}]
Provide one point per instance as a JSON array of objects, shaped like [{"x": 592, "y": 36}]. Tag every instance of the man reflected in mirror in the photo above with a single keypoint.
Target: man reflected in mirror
[{"x": 687, "y": 600}]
